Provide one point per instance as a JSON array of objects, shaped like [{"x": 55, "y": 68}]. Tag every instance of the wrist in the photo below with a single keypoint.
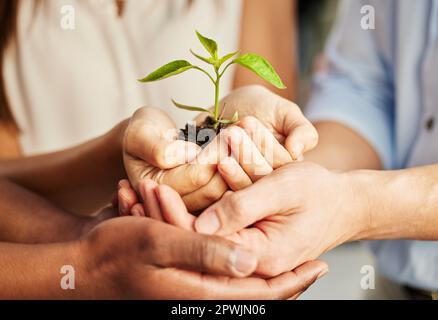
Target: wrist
[
  {"x": 380, "y": 197},
  {"x": 104, "y": 266},
  {"x": 113, "y": 147}
]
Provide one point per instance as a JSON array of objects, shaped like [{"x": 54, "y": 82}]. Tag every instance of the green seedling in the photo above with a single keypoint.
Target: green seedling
[{"x": 220, "y": 65}]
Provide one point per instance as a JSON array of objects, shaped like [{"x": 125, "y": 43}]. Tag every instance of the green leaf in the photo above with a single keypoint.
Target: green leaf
[
  {"x": 206, "y": 60},
  {"x": 209, "y": 45},
  {"x": 261, "y": 67},
  {"x": 227, "y": 57},
  {"x": 168, "y": 70},
  {"x": 234, "y": 119},
  {"x": 190, "y": 108}
]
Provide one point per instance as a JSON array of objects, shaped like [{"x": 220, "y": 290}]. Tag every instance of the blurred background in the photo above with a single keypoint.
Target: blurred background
[{"x": 315, "y": 19}]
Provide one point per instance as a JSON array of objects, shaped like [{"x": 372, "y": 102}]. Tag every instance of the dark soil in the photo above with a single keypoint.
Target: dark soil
[{"x": 202, "y": 135}]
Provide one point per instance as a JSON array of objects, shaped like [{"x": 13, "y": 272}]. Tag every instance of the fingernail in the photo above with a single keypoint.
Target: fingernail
[
  {"x": 243, "y": 261},
  {"x": 322, "y": 273},
  {"x": 207, "y": 223},
  {"x": 297, "y": 150},
  {"x": 125, "y": 197}
]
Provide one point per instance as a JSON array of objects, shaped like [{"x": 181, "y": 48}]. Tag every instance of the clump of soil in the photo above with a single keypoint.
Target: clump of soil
[{"x": 203, "y": 134}]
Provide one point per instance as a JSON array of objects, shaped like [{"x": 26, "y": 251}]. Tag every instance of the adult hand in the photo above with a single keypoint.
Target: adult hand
[
  {"x": 296, "y": 213},
  {"x": 272, "y": 239},
  {"x": 151, "y": 150},
  {"x": 133, "y": 257},
  {"x": 280, "y": 116}
]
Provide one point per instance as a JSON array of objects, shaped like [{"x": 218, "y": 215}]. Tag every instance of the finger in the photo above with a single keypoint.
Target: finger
[
  {"x": 178, "y": 248},
  {"x": 124, "y": 183},
  {"x": 301, "y": 135},
  {"x": 173, "y": 208},
  {"x": 138, "y": 210},
  {"x": 126, "y": 199},
  {"x": 247, "y": 154},
  {"x": 243, "y": 208},
  {"x": 190, "y": 177},
  {"x": 273, "y": 152},
  {"x": 152, "y": 136},
  {"x": 207, "y": 286},
  {"x": 233, "y": 174},
  {"x": 151, "y": 205},
  {"x": 206, "y": 195},
  {"x": 301, "y": 278}
]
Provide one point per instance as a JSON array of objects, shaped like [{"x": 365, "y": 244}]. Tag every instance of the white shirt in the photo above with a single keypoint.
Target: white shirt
[
  {"x": 67, "y": 86},
  {"x": 382, "y": 83}
]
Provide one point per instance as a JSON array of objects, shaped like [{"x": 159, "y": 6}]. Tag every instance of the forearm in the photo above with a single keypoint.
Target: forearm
[
  {"x": 34, "y": 272},
  {"x": 28, "y": 218},
  {"x": 399, "y": 204},
  {"x": 261, "y": 22},
  {"x": 340, "y": 148},
  {"x": 80, "y": 179}
]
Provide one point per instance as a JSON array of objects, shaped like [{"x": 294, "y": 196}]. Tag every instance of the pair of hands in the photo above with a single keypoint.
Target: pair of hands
[
  {"x": 271, "y": 133},
  {"x": 134, "y": 249}
]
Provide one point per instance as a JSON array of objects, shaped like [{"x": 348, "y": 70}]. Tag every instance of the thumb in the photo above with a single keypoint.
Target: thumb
[
  {"x": 210, "y": 254},
  {"x": 238, "y": 210}
]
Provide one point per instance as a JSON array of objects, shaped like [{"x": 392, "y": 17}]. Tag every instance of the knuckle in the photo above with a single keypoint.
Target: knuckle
[
  {"x": 237, "y": 207},
  {"x": 207, "y": 255},
  {"x": 214, "y": 194},
  {"x": 199, "y": 176}
]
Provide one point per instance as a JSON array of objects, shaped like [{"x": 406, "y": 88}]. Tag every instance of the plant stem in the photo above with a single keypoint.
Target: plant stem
[
  {"x": 216, "y": 97},
  {"x": 205, "y": 72}
]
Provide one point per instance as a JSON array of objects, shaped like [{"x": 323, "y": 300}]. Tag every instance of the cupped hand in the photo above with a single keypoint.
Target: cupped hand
[
  {"x": 132, "y": 257},
  {"x": 280, "y": 116},
  {"x": 293, "y": 215},
  {"x": 234, "y": 159},
  {"x": 274, "y": 239}
]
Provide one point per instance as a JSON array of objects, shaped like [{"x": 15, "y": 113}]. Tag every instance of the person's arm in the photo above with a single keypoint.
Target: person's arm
[
  {"x": 400, "y": 204},
  {"x": 341, "y": 148},
  {"x": 9, "y": 144},
  {"x": 80, "y": 179},
  {"x": 269, "y": 28},
  {"x": 352, "y": 101},
  {"x": 28, "y": 218},
  {"x": 108, "y": 263}
]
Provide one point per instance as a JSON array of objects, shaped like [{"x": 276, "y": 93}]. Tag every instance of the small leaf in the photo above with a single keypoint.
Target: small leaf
[
  {"x": 223, "y": 121},
  {"x": 209, "y": 45},
  {"x": 206, "y": 60},
  {"x": 190, "y": 108},
  {"x": 234, "y": 119},
  {"x": 261, "y": 67},
  {"x": 168, "y": 70},
  {"x": 227, "y": 57}
]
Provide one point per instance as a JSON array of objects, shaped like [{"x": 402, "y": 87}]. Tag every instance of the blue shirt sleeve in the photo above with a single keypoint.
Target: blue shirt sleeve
[{"x": 357, "y": 88}]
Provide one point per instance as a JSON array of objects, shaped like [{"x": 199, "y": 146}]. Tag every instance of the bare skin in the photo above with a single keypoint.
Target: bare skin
[{"x": 110, "y": 257}]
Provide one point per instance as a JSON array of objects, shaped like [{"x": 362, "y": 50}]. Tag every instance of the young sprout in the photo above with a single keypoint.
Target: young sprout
[{"x": 251, "y": 61}]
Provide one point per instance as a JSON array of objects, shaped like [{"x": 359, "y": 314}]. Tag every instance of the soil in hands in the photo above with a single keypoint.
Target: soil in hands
[{"x": 203, "y": 134}]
